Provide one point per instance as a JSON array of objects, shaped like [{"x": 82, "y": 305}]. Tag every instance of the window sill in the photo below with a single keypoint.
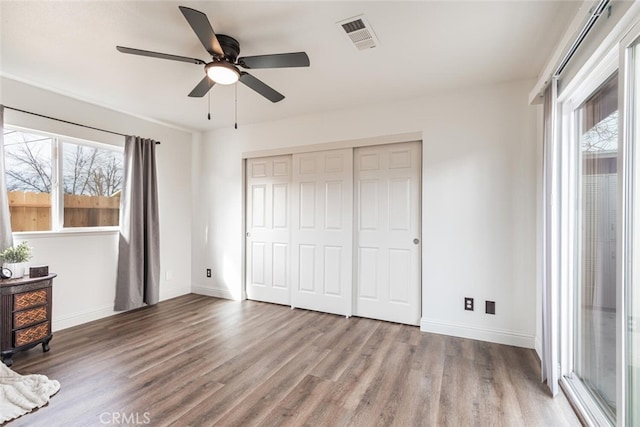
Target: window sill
[{"x": 80, "y": 231}]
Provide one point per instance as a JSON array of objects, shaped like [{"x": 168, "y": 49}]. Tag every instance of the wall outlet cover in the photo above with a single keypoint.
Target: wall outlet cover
[
  {"x": 468, "y": 304},
  {"x": 490, "y": 307}
]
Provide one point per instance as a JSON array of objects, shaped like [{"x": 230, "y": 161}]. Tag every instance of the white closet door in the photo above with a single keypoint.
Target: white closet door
[
  {"x": 388, "y": 232},
  {"x": 267, "y": 219},
  {"x": 322, "y": 228}
]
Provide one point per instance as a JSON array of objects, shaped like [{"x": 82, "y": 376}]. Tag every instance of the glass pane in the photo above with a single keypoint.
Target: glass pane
[
  {"x": 28, "y": 175},
  {"x": 92, "y": 181},
  {"x": 595, "y": 349}
]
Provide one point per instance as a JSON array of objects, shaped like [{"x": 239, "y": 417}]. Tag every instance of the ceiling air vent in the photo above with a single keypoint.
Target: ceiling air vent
[{"x": 359, "y": 32}]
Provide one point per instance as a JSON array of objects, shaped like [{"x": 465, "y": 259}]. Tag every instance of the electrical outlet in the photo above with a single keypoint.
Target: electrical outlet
[
  {"x": 490, "y": 307},
  {"x": 468, "y": 304},
  {"x": 208, "y": 272}
]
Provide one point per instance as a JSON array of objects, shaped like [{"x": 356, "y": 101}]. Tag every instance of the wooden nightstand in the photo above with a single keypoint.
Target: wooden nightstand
[{"x": 25, "y": 315}]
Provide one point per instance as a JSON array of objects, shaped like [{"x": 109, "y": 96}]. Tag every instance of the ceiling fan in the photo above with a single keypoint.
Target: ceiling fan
[{"x": 224, "y": 51}]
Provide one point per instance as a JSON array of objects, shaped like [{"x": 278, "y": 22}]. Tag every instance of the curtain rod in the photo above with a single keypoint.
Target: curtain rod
[
  {"x": 68, "y": 122},
  {"x": 595, "y": 13}
]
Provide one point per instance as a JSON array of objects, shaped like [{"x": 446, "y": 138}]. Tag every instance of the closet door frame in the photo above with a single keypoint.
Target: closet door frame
[{"x": 365, "y": 142}]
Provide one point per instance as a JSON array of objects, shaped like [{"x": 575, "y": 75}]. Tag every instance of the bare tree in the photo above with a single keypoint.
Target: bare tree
[
  {"x": 603, "y": 136},
  {"x": 79, "y": 163},
  {"x": 91, "y": 171},
  {"x": 106, "y": 179},
  {"x": 28, "y": 163}
]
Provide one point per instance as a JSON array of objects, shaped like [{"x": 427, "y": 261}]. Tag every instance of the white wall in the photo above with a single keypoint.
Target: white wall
[
  {"x": 86, "y": 262},
  {"x": 479, "y": 201}
]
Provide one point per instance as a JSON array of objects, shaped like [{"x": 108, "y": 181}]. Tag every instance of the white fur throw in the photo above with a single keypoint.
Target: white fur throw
[{"x": 20, "y": 394}]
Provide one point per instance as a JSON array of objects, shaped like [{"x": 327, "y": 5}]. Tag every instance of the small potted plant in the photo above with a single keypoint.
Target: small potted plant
[{"x": 15, "y": 258}]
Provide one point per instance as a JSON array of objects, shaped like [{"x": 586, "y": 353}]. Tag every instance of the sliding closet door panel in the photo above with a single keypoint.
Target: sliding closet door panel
[
  {"x": 388, "y": 232},
  {"x": 322, "y": 205},
  {"x": 268, "y": 198}
]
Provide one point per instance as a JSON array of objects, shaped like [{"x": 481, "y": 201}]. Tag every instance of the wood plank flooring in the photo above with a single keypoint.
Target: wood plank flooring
[{"x": 201, "y": 361}]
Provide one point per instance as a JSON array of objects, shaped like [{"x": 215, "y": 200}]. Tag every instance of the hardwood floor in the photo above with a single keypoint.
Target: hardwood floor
[{"x": 202, "y": 361}]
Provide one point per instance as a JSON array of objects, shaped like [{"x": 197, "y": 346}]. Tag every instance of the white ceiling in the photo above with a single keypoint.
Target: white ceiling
[{"x": 425, "y": 47}]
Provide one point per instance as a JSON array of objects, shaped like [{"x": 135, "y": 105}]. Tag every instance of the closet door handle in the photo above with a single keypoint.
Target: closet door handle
[
  {"x": 416, "y": 241},
  {"x": 248, "y": 234}
]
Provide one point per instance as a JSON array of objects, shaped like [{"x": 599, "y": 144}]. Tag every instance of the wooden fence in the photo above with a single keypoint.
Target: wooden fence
[{"x": 32, "y": 211}]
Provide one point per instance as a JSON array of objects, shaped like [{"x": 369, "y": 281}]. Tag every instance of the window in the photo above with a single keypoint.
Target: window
[
  {"x": 57, "y": 182},
  {"x": 28, "y": 174}
]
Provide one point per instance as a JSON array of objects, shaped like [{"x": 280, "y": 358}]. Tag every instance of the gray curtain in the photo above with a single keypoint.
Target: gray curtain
[
  {"x": 550, "y": 294},
  {"x": 6, "y": 238},
  {"x": 138, "y": 280}
]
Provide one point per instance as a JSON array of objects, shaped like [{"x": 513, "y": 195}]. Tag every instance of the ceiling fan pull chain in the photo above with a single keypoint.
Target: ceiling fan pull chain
[
  {"x": 209, "y": 115},
  {"x": 236, "y": 112}
]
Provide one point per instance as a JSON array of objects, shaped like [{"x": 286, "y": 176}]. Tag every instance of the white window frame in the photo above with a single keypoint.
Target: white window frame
[
  {"x": 57, "y": 194},
  {"x": 629, "y": 189},
  {"x": 569, "y": 102}
]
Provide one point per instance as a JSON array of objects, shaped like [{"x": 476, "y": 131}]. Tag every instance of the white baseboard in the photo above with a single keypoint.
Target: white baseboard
[
  {"x": 481, "y": 334},
  {"x": 174, "y": 292},
  {"x": 63, "y": 322},
  {"x": 538, "y": 347},
  {"x": 212, "y": 292},
  {"x": 75, "y": 319}
]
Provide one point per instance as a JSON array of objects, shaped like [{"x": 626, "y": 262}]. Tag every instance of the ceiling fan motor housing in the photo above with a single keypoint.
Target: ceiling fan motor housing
[{"x": 230, "y": 47}]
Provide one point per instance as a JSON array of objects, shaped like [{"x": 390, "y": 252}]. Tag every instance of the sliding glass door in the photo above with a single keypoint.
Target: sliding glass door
[
  {"x": 596, "y": 230},
  {"x": 598, "y": 244}
]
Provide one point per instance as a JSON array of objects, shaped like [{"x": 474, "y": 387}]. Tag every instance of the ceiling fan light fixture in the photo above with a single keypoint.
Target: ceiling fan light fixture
[{"x": 222, "y": 73}]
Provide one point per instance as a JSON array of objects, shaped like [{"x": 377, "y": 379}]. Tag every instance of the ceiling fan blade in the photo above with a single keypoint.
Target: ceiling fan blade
[
  {"x": 278, "y": 60},
  {"x": 202, "y": 88},
  {"x": 141, "y": 52},
  {"x": 260, "y": 87},
  {"x": 202, "y": 27}
]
